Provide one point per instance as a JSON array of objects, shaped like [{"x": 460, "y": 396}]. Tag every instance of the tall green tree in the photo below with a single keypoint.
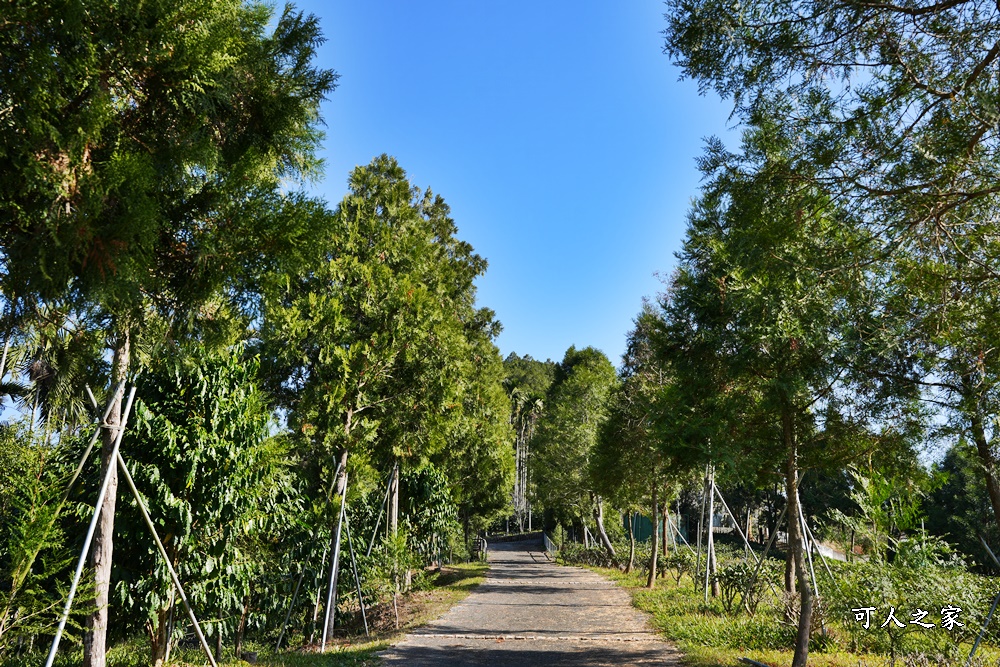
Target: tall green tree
[
  {"x": 943, "y": 316},
  {"x": 576, "y": 405},
  {"x": 142, "y": 148},
  {"x": 958, "y": 507},
  {"x": 527, "y": 381},
  {"x": 378, "y": 354},
  {"x": 479, "y": 460},
  {"x": 769, "y": 291},
  {"x": 627, "y": 464},
  {"x": 895, "y": 102},
  {"x": 895, "y": 105},
  {"x": 365, "y": 349}
]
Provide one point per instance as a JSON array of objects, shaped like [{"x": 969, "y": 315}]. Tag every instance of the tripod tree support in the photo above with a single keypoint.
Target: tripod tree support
[
  {"x": 90, "y": 534},
  {"x": 354, "y": 566},
  {"x": 739, "y": 530},
  {"x": 993, "y": 608},
  {"x": 767, "y": 549},
  {"x": 385, "y": 508},
  {"x": 166, "y": 559},
  {"x": 677, "y": 530},
  {"x": 288, "y": 615}
]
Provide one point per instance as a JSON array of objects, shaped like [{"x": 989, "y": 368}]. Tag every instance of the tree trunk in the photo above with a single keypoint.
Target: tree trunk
[
  {"x": 801, "y": 655},
  {"x": 599, "y": 522},
  {"x": 241, "y": 628},
  {"x": 987, "y": 459},
  {"x": 95, "y": 639},
  {"x": 789, "y": 569},
  {"x": 651, "y": 582},
  {"x": 159, "y": 636},
  {"x": 666, "y": 533},
  {"x": 631, "y": 542},
  {"x": 710, "y": 566}
]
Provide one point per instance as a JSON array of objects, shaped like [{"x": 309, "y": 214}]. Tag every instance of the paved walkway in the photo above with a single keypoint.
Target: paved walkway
[{"x": 533, "y": 612}]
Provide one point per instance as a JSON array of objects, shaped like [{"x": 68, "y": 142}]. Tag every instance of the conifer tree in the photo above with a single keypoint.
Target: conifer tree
[
  {"x": 576, "y": 405},
  {"x": 142, "y": 146}
]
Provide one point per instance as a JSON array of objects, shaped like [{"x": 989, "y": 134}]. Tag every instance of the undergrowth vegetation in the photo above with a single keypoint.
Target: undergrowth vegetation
[
  {"x": 432, "y": 594},
  {"x": 752, "y": 616}
]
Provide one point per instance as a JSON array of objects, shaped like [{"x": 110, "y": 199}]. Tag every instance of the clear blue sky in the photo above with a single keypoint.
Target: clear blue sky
[{"x": 557, "y": 131}]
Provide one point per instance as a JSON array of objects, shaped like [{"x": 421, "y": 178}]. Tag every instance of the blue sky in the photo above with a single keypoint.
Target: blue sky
[{"x": 557, "y": 131}]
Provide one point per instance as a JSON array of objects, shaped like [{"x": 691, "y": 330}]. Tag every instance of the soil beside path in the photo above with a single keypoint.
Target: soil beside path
[{"x": 531, "y": 611}]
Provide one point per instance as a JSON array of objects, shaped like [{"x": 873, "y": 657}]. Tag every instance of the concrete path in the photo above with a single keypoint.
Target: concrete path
[{"x": 533, "y": 612}]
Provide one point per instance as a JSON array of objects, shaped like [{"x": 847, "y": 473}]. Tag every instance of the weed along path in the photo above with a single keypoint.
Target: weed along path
[{"x": 533, "y": 612}]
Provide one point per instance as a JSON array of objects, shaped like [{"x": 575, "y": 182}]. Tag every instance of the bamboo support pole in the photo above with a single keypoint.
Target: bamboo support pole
[
  {"x": 93, "y": 439},
  {"x": 677, "y": 530},
  {"x": 812, "y": 570},
  {"x": 378, "y": 521},
  {"x": 701, "y": 523},
  {"x": 708, "y": 538},
  {"x": 166, "y": 559},
  {"x": 288, "y": 614},
  {"x": 331, "y": 596},
  {"x": 736, "y": 523},
  {"x": 319, "y": 593},
  {"x": 354, "y": 566},
  {"x": 986, "y": 624},
  {"x": 767, "y": 549},
  {"x": 993, "y": 608},
  {"x": 822, "y": 558},
  {"x": 808, "y": 545}
]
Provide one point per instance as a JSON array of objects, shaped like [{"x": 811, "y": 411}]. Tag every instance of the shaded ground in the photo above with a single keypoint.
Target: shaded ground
[{"x": 533, "y": 612}]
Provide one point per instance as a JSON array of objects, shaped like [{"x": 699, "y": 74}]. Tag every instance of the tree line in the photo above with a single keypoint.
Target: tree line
[
  {"x": 830, "y": 332},
  {"x": 291, "y": 359}
]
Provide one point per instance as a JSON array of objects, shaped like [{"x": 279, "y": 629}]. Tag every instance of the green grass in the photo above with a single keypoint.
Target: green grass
[
  {"x": 444, "y": 590},
  {"x": 708, "y": 637}
]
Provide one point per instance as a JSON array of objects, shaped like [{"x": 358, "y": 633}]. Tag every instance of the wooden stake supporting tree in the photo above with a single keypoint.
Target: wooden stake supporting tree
[{"x": 100, "y": 507}]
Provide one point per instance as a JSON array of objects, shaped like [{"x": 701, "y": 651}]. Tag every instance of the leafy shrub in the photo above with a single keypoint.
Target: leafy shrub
[
  {"x": 682, "y": 562},
  {"x": 577, "y": 554},
  {"x": 906, "y": 589}
]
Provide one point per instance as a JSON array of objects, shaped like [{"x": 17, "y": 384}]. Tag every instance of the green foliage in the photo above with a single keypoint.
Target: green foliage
[
  {"x": 33, "y": 553},
  {"x": 907, "y": 588},
  {"x": 627, "y": 457},
  {"x": 369, "y": 347},
  {"x": 428, "y": 511},
  {"x": 529, "y": 377},
  {"x": 479, "y": 458},
  {"x": 567, "y": 432},
  {"x": 958, "y": 508},
  {"x": 883, "y": 507},
  {"x": 577, "y": 554},
  {"x": 137, "y": 158},
  {"x": 682, "y": 562},
  {"x": 214, "y": 481}
]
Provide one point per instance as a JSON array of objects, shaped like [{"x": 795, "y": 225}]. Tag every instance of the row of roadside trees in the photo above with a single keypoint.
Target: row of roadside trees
[
  {"x": 833, "y": 315},
  {"x": 287, "y": 354}
]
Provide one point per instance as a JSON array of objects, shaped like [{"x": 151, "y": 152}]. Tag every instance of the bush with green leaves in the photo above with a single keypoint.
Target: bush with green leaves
[
  {"x": 217, "y": 486},
  {"x": 33, "y": 552},
  {"x": 908, "y": 589},
  {"x": 577, "y": 554},
  {"x": 681, "y": 561}
]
